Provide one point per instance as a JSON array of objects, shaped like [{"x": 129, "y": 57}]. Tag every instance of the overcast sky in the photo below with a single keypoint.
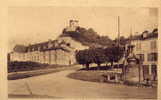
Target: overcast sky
[{"x": 37, "y": 24}]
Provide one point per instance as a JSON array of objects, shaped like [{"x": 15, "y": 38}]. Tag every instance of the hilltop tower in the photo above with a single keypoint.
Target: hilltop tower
[{"x": 73, "y": 24}]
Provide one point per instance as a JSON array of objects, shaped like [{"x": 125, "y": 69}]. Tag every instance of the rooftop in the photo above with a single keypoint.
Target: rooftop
[{"x": 145, "y": 35}]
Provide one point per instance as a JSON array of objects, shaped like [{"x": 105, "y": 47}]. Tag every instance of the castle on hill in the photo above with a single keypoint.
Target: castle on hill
[
  {"x": 60, "y": 51},
  {"x": 73, "y": 25}
]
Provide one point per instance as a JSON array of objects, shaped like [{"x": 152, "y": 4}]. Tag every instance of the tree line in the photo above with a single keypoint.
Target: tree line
[
  {"x": 99, "y": 55},
  {"x": 88, "y": 37}
]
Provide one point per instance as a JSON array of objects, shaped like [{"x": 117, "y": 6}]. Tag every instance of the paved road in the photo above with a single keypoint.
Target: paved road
[{"x": 57, "y": 85}]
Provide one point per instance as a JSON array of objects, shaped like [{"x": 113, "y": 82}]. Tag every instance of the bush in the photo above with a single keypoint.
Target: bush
[
  {"x": 114, "y": 54},
  {"x": 84, "y": 57},
  {"x": 23, "y": 66},
  {"x": 88, "y": 56},
  {"x": 98, "y": 56}
]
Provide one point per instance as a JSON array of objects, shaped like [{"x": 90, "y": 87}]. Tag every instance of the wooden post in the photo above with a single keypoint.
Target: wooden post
[
  {"x": 139, "y": 73},
  {"x": 118, "y": 30}
]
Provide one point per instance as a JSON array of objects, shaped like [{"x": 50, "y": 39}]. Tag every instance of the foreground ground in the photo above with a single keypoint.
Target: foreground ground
[{"x": 58, "y": 85}]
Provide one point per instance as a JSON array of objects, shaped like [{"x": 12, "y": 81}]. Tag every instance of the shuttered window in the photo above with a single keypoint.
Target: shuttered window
[{"x": 152, "y": 57}]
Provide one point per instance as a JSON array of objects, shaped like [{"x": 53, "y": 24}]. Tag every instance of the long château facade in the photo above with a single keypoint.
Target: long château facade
[{"x": 46, "y": 52}]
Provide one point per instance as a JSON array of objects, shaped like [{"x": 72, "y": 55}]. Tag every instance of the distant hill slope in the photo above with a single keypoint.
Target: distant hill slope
[{"x": 87, "y": 37}]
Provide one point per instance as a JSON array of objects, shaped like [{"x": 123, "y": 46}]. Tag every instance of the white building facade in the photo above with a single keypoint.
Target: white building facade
[{"x": 146, "y": 49}]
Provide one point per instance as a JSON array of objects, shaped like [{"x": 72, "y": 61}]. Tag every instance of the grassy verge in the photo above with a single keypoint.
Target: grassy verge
[
  {"x": 86, "y": 76},
  {"x": 93, "y": 76},
  {"x": 18, "y": 66},
  {"x": 100, "y": 76},
  {"x": 31, "y": 73}
]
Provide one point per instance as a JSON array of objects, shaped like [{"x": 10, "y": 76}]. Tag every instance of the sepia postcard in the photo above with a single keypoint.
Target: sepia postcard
[{"x": 81, "y": 52}]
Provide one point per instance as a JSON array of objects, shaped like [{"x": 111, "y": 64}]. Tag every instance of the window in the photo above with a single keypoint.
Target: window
[
  {"x": 154, "y": 69},
  {"x": 145, "y": 71},
  {"x": 152, "y": 57},
  {"x": 141, "y": 57},
  {"x": 153, "y": 45}
]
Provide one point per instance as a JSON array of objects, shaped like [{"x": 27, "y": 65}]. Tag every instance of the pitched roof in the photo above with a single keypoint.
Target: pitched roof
[
  {"x": 150, "y": 35},
  {"x": 44, "y": 46}
]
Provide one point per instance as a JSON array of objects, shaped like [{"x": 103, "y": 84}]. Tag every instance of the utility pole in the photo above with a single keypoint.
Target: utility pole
[
  {"x": 130, "y": 34},
  {"x": 118, "y": 42},
  {"x": 118, "y": 30}
]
